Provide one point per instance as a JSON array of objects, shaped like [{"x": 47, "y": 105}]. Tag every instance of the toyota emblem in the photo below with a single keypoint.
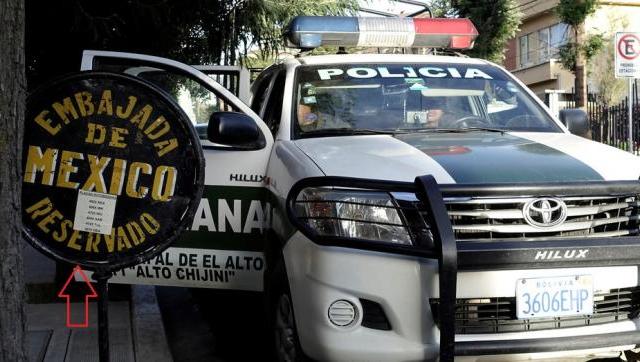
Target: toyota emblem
[{"x": 545, "y": 212}]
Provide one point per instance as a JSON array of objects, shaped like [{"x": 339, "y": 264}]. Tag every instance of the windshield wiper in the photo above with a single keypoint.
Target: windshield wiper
[
  {"x": 345, "y": 132},
  {"x": 367, "y": 131},
  {"x": 451, "y": 130},
  {"x": 476, "y": 129}
]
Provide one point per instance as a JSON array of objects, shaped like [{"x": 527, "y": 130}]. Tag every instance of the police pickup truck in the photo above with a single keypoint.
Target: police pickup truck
[{"x": 398, "y": 207}]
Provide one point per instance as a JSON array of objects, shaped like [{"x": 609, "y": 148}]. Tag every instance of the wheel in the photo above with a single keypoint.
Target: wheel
[
  {"x": 285, "y": 330},
  {"x": 286, "y": 344}
]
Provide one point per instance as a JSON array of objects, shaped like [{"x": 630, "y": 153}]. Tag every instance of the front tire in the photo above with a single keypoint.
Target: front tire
[
  {"x": 286, "y": 344},
  {"x": 285, "y": 330}
]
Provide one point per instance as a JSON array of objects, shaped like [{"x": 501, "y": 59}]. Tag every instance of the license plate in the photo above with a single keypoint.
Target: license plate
[{"x": 554, "y": 296}]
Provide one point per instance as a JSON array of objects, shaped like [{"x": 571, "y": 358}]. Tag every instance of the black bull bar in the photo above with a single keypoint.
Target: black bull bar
[{"x": 455, "y": 255}]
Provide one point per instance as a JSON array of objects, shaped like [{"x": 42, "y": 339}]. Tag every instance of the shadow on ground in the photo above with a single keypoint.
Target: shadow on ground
[{"x": 214, "y": 325}]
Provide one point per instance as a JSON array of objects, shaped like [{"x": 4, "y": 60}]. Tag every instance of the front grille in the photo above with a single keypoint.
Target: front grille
[
  {"x": 496, "y": 315},
  {"x": 503, "y": 218}
]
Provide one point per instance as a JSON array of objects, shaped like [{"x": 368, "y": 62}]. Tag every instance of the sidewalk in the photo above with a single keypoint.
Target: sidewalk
[
  {"x": 136, "y": 329},
  {"x": 48, "y": 339}
]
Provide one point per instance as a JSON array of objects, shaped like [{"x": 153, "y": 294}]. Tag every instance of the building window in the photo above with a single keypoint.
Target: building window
[
  {"x": 543, "y": 44},
  {"x": 525, "y": 54},
  {"x": 558, "y": 36},
  {"x": 550, "y": 40}
]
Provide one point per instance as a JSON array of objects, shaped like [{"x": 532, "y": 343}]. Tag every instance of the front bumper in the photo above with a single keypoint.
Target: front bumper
[
  {"x": 402, "y": 279},
  {"x": 402, "y": 285}
]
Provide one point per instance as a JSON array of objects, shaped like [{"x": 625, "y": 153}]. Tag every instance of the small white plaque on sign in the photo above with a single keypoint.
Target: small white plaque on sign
[{"x": 94, "y": 212}]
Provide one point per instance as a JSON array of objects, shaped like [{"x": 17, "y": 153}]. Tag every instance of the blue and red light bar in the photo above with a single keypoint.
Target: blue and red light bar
[{"x": 313, "y": 31}]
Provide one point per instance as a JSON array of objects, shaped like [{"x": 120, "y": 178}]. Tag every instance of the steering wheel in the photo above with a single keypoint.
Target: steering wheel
[{"x": 469, "y": 121}]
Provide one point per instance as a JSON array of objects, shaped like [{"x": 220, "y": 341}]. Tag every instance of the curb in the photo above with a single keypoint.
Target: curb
[{"x": 149, "y": 336}]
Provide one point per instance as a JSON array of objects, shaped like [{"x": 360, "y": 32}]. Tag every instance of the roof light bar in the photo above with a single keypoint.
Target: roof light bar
[{"x": 314, "y": 31}]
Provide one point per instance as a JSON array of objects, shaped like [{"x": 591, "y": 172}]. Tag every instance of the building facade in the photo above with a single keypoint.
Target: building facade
[{"x": 532, "y": 55}]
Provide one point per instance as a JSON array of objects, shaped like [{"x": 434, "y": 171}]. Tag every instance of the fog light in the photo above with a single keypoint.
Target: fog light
[{"x": 342, "y": 313}]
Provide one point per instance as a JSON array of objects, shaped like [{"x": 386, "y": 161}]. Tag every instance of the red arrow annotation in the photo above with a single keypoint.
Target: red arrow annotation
[{"x": 89, "y": 293}]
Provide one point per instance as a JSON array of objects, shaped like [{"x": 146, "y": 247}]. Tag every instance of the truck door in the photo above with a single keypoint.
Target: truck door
[{"x": 223, "y": 248}]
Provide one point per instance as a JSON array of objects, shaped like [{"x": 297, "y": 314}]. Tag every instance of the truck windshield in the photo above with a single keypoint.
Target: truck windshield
[{"x": 389, "y": 98}]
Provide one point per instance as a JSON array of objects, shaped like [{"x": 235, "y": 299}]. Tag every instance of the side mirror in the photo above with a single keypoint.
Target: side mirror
[
  {"x": 235, "y": 130},
  {"x": 576, "y": 121}
]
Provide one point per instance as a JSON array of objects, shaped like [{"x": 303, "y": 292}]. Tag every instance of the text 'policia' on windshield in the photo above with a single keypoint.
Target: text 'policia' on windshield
[{"x": 403, "y": 72}]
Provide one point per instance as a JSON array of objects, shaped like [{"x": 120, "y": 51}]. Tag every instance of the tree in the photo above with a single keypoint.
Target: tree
[
  {"x": 442, "y": 9},
  {"x": 601, "y": 67},
  {"x": 496, "y": 20},
  {"x": 191, "y": 31},
  {"x": 264, "y": 20},
  {"x": 12, "y": 103},
  {"x": 575, "y": 54}
]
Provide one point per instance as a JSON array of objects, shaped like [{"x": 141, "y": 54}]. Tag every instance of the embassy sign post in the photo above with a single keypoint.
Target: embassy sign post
[
  {"x": 627, "y": 49},
  {"x": 112, "y": 174}
]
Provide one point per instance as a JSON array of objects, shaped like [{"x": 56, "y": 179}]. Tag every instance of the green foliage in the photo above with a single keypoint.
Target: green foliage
[
  {"x": 568, "y": 52},
  {"x": 610, "y": 90},
  {"x": 601, "y": 68},
  {"x": 258, "y": 61},
  {"x": 262, "y": 21},
  {"x": 497, "y": 21},
  {"x": 574, "y": 12},
  {"x": 191, "y": 31},
  {"x": 593, "y": 44},
  {"x": 442, "y": 9},
  {"x": 263, "y": 59}
]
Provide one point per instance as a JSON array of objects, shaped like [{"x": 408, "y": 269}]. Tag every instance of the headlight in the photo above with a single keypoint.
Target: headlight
[{"x": 352, "y": 214}]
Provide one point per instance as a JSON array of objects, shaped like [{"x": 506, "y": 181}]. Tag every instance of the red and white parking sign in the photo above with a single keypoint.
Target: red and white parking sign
[{"x": 627, "y": 46}]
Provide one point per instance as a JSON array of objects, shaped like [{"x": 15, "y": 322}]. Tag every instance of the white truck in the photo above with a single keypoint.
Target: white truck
[{"x": 398, "y": 207}]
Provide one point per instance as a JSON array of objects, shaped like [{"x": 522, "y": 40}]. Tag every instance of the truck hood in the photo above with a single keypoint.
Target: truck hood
[{"x": 472, "y": 157}]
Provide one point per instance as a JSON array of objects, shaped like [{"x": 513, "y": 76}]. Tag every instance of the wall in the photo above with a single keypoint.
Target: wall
[
  {"x": 529, "y": 9},
  {"x": 510, "y": 55},
  {"x": 611, "y": 18}
]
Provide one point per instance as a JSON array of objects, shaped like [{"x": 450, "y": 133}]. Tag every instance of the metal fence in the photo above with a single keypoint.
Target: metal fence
[{"x": 610, "y": 123}]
